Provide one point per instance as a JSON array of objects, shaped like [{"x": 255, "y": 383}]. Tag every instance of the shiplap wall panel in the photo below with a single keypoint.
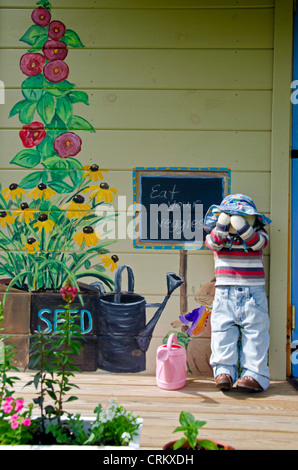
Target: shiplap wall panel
[
  {"x": 145, "y": 4},
  {"x": 153, "y": 28},
  {"x": 168, "y": 109},
  {"x": 157, "y": 69},
  {"x": 169, "y": 84},
  {"x": 122, "y": 181},
  {"x": 123, "y": 150}
]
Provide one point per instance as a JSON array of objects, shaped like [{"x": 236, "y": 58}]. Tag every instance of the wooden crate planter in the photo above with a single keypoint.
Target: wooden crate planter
[{"x": 27, "y": 312}]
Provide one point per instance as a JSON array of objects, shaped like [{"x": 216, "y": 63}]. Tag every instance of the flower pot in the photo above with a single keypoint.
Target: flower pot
[
  {"x": 186, "y": 447},
  {"x": 134, "y": 444}
]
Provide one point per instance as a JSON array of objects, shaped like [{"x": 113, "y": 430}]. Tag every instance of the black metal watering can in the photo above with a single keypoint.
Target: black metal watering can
[{"x": 124, "y": 336}]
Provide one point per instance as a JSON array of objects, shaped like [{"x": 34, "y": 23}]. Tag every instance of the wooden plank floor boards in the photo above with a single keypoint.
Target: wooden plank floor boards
[{"x": 263, "y": 421}]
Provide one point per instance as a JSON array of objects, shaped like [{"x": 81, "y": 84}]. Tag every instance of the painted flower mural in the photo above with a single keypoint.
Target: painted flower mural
[
  {"x": 50, "y": 125},
  {"x": 49, "y": 229},
  {"x": 31, "y": 135},
  {"x": 67, "y": 144},
  {"x": 32, "y": 64},
  {"x": 55, "y": 50}
]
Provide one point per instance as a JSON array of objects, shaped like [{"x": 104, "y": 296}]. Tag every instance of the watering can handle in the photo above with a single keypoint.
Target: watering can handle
[
  {"x": 118, "y": 275},
  {"x": 100, "y": 286},
  {"x": 172, "y": 338}
]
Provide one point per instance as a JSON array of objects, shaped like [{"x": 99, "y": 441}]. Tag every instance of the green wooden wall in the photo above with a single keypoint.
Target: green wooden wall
[{"x": 170, "y": 83}]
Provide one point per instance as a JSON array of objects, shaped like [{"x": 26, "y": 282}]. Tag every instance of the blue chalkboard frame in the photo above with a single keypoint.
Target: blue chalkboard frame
[{"x": 199, "y": 172}]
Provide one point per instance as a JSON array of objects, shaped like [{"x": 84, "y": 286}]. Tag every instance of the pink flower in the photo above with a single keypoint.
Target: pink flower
[
  {"x": 55, "y": 50},
  {"x": 8, "y": 400},
  {"x": 56, "y": 30},
  {"x": 67, "y": 144},
  {"x": 14, "y": 425},
  {"x": 7, "y": 408},
  {"x": 19, "y": 405},
  {"x": 41, "y": 16},
  {"x": 27, "y": 422},
  {"x": 32, "y": 63},
  {"x": 32, "y": 134},
  {"x": 68, "y": 293},
  {"x": 56, "y": 71}
]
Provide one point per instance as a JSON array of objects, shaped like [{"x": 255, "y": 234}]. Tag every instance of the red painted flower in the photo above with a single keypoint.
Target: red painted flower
[
  {"x": 55, "y": 50},
  {"x": 56, "y": 71},
  {"x": 41, "y": 16},
  {"x": 67, "y": 144},
  {"x": 32, "y": 63},
  {"x": 32, "y": 134},
  {"x": 56, "y": 30}
]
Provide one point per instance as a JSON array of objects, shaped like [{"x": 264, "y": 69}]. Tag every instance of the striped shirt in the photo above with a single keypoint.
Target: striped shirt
[{"x": 240, "y": 261}]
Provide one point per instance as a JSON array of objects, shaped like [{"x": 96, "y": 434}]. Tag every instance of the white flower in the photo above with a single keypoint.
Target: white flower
[{"x": 125, "y": 436}]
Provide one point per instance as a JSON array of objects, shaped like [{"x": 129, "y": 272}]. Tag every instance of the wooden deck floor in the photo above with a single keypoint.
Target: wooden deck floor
[{"x": 263, "y": 421}]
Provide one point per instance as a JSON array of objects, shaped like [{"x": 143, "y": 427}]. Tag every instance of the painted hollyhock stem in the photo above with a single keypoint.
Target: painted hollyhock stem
[{"x": 49, "y": 125}]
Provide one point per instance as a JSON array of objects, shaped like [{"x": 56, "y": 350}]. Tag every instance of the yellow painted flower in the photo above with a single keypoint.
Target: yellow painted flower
[
  {"x": 110, "y": 262},
  {"x": 44, "y": 222},
  {"x": 6, "y": 218},
  {"x": 25, "y": 214},
  {"x": 76, "y": 208},
  {"x": 13, "y": 191},
  {"x": 93, "y": 172},
  {"x": 31, "y": 246},
  {"x": 102, "y": 193},
  {"x": 88, "y": 235},
  {"x": 41, "y": 192}
]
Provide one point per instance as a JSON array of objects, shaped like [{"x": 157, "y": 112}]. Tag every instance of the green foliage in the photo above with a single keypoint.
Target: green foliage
[
  {"x": 190, "y": 426},
  {"x": 54, "y": 256}
]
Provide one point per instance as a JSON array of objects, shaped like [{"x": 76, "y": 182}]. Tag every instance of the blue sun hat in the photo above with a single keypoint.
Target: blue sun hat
[{"x": 234, "y": 204}]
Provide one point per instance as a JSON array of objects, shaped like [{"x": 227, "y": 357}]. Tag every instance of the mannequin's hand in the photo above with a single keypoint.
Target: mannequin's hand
[
  {"x": 237, "y": 222},
  {"x": 224, "y": 219}
]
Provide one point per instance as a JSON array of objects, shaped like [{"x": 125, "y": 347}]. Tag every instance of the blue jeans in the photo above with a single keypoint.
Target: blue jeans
[{"x": 240, "y": 309}]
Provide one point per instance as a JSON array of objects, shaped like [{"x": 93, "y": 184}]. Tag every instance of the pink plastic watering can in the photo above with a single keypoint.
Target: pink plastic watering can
[{"x": 171, "y": 365}]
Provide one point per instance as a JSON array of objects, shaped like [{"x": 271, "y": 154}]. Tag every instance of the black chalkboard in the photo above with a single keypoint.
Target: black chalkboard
[{"x": 170, "y": 205}]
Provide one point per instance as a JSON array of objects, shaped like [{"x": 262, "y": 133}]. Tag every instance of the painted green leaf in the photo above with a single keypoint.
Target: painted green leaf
[
  {"x": 46, "y": 108},
  {"x": 46, "y": 148},
  {"x": 31, "y": 180},
  {"x": 72, "y": 39},
  {"x": 32, "y": 34},
  {"x": 56, "y": 127},
  {"x": 64, "y": 109},
  {"x": 27, "y": 158},
  {"x": 76, "y": 177},
  {"x": 32, "y": 88},
  {"x": 77, "y": 96},
  {"x": 60, "y": 186},
  {"x": 17, "y": 107},
  {"x": 27, "y": 112},
  {"x": 38, "y": 44},
  {"x": 58, "y": 89},
  {"x": 45, "y": 3},
  {"x": 78, "y": 123},
  {"x": 56, "y": 162},
  {"x": 58, "y": 175},
  {"x": 73, "y": 163}
]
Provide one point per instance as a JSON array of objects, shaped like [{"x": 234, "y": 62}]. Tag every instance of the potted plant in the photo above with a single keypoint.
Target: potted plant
[
  {"x": 54, "y": 426},
  {"x": 190, "y": 442}
]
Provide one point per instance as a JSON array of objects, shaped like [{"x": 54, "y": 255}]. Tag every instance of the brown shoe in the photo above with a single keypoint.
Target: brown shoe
[
  {"x": 224, "y": 382},
  {"x": 249, "y": 384}
]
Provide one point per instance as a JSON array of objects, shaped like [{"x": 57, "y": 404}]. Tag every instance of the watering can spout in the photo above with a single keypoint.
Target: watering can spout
[{"x": 144, "y": 337}]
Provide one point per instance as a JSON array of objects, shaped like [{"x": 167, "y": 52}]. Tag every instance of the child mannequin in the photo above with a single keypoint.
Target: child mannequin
[{"x": 237, "y": 238}]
